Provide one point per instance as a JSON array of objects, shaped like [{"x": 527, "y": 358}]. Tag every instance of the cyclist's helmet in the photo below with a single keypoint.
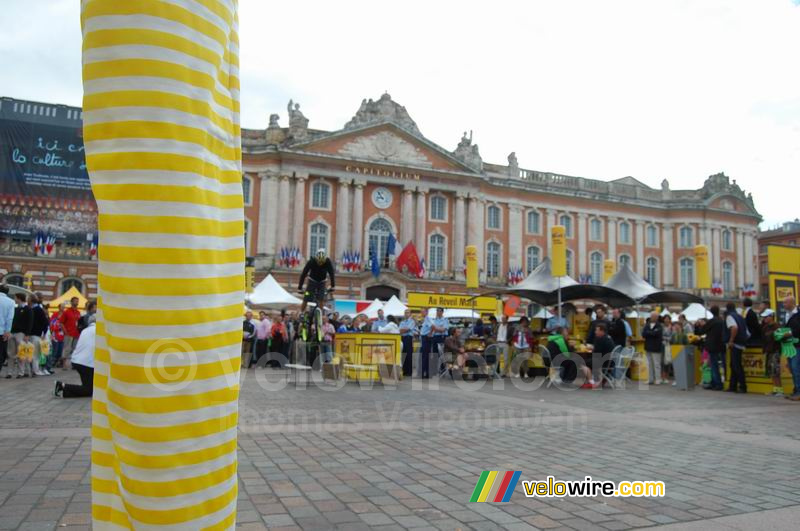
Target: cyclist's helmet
[{"x": 321, "y": 255}]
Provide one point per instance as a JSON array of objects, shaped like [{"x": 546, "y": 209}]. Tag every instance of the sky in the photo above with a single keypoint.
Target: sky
[{"x": 654, "y": 89}]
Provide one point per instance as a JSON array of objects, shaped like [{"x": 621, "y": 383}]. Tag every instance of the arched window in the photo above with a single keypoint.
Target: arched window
[
  {"x": 624, "y": 260},
  {"x": 651, "y": 271},
  {"x": 534, "y": 222},
  {"x": 686, "y": 237},
  {"x": 321, "y": 195},
  {"x": 625, "y": 232},
  {"x": 596, "y": 230},
  {"x": 438, "y": 208},
  {"x": 68, "y": 283},
  {"x": 687, "y": 273},
  {"x": 532, "y": 258},
  {"x": 727, "y": 241},
  {"x": 14, "y": 279},
  {"x": 379, "y": 231},
  {"x": 727, "y": 277},
  {"x": 566, "y": 221},
  {"x": 436, "y": 254},
  {"x": 493, "y": 217},
  {"x": 596, "y": 267},
  {"x": 247, "y": 186},
  {"x": 569, "y": 262},
  {"x": 318, "y": 238},
  {"x": 493, "y": 260},
  {"x": 652, "y": 236}
]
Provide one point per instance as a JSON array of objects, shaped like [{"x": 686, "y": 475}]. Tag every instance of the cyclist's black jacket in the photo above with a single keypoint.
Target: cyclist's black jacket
[{"x": 317, "y": 272}]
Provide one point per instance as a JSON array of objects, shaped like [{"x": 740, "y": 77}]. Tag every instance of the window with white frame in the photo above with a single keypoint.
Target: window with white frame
[
  {"x": 378, "y": 236},
  {"x": 727, "y": 277},
  {"x": 318, "y": 238},
  {"x": 532, "y": 257},
  {"x": 596, "y": 230},
  {"x": 624, "y": 260},
  {"x": 596, "y": 267},
  {"x": 247, "y": 187},
  {"x": 686, "y": 266},
  {"x": 625, "y": 233},
  {"x": 438, "y": 208},
  {"x": 534, "y": 222},
  {"x": 569, "y": 262},
  {"x": 321, "y": 195},
  {"x": 436, "y": 254},
  {"x": 493, "y": 217},
  {"x": 727, "y": 240},
  {"x": 686, "y": 237},
  {"x": 493, "y": 260},
  {"x": 652, "y": 236},
  {"x": 566, "y": 221},
  {"x": 651, "y": 271}
]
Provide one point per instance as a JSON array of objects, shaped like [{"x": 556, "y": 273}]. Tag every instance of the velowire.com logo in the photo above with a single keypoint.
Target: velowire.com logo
[{"x": 495, "y": 486}]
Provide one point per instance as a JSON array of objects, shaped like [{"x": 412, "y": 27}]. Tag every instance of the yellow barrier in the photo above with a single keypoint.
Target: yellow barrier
[{"x": 364, "y": 353}]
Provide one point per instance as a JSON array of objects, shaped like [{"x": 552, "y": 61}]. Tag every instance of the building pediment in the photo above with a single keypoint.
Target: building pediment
[{"x": 385, "y": 143}]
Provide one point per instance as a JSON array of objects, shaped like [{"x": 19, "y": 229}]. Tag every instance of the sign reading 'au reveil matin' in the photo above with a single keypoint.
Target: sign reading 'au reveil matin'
[{"x": 445, "y": 300}]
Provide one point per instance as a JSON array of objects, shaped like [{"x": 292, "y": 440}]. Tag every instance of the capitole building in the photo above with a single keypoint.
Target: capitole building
[{"x": 348, "y": 190}]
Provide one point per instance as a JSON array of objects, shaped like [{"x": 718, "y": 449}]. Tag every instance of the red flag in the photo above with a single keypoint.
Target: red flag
[{"x": 408, "y": 259}]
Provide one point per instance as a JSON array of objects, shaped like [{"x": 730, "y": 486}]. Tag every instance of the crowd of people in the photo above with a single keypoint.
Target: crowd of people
[
  {"x": 35, "y": 343},
  {"x": 724, "y": 331}
]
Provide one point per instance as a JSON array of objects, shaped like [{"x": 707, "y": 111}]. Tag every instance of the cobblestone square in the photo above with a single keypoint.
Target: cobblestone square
[{"x": 409, "y": 456}]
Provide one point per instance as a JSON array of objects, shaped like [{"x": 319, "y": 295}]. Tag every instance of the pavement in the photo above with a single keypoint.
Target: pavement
[{"x": 409, "y": 456}]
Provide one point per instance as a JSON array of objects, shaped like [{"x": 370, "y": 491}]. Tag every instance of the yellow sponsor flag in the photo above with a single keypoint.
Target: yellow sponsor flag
[
  {"x": 471, "y": 257},
  {"x": 702, "y": 267},
  {"x": 609, "y": 268},
  {"x": 163, "y": 152},
  {"x": 558, "y": 251}
]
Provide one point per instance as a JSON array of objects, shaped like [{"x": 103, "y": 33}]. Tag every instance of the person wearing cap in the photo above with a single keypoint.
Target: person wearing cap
[
  {"x": 772, "y": 350},
  {"x": 83, "y": 362}
]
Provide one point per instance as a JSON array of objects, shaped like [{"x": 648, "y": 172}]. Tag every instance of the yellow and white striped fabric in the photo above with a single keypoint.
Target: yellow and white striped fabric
[{"x": 163, "y": 150}]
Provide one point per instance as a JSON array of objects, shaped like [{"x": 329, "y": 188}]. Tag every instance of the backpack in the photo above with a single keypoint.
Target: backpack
[{"x": 742, "y": 333}]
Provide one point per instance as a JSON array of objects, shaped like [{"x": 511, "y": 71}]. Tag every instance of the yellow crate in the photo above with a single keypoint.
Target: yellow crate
[{"x": 363, "y": 373}]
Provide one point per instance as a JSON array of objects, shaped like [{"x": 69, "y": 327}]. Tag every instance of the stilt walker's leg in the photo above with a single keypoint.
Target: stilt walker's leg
[{"x": 163, "y": 150}]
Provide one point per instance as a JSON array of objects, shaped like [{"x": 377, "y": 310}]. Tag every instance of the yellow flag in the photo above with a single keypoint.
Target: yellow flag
[
  {"x": 609, "y": 268},
  {"x": 471, "y": 257},
  {"x": 163, "y": 152},
  {"x": 558, "y": 251},
  {"x": 702, "y": 267}
]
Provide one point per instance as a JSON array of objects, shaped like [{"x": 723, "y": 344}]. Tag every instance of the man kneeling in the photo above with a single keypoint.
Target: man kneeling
[{"x": 83, "y": 362}]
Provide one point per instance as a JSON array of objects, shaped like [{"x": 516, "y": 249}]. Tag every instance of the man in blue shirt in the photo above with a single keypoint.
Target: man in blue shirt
[
  {"x": 425, "y": 337},
  {"x": 408, "y": 328},
  {"x": 379, "y": 322},
  {"x": 439, "y": 329},
  {"x": 6, "y": 318},
  {"x": 557, "y": 321}
]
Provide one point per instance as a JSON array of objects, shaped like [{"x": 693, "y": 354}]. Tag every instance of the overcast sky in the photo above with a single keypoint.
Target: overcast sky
[{"x": 676, "y": 89}]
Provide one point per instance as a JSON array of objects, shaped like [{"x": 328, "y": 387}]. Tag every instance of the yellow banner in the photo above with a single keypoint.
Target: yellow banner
[
  {"x": 471, "y": 257},
  {"x": 609, "y": 268},
  {"x": 249, "y": 273},
  {"x": 558, "y": 251},
  {"x": 702, "y": 267},
  {"x": 446, "y": 300}
]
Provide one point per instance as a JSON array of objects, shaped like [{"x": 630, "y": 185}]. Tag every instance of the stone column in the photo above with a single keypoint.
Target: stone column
[
  {"x": 612, "y": 239},
  {"x": 407, "y": 215},
  {"x": 421, "y": 240},
  {"x": 740, "y": 259},
  {"x": 515, "y": 252},
  {"x": 282, "y": 232},
  {"x": 668, "y": 246},
  {"x": 751, "y": 253},
  {"x": 582, "y": 268},
  {"x": 358, "y": 218},
  {"x": 640, "y": 247},
  {"x": 268, "y": 220},
  {"x": 475, "y": 228},
  {"x": 342, "y": 220},
  {"x": 716, "y": 254},
  {"x": 459, "y": 236},
  {"x": 551, "y": 222},
  {"x": 298, "y": 218}
]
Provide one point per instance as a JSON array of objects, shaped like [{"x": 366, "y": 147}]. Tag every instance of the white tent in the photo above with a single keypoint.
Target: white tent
[
  {"x": 371, "y": 311},
  {"x": 542, "y": 314},
  {"x": 394, "y": 307},
  {"x": 270, "y": 294},
  {"x": 696, "y": 311}
]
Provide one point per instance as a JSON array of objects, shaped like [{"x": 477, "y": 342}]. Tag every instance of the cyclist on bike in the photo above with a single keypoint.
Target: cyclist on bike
[{"x": 317, "y": 269}]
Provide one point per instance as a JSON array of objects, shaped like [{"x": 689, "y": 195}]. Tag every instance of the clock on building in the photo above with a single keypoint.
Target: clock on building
[{"x": 382, "y": 197}]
